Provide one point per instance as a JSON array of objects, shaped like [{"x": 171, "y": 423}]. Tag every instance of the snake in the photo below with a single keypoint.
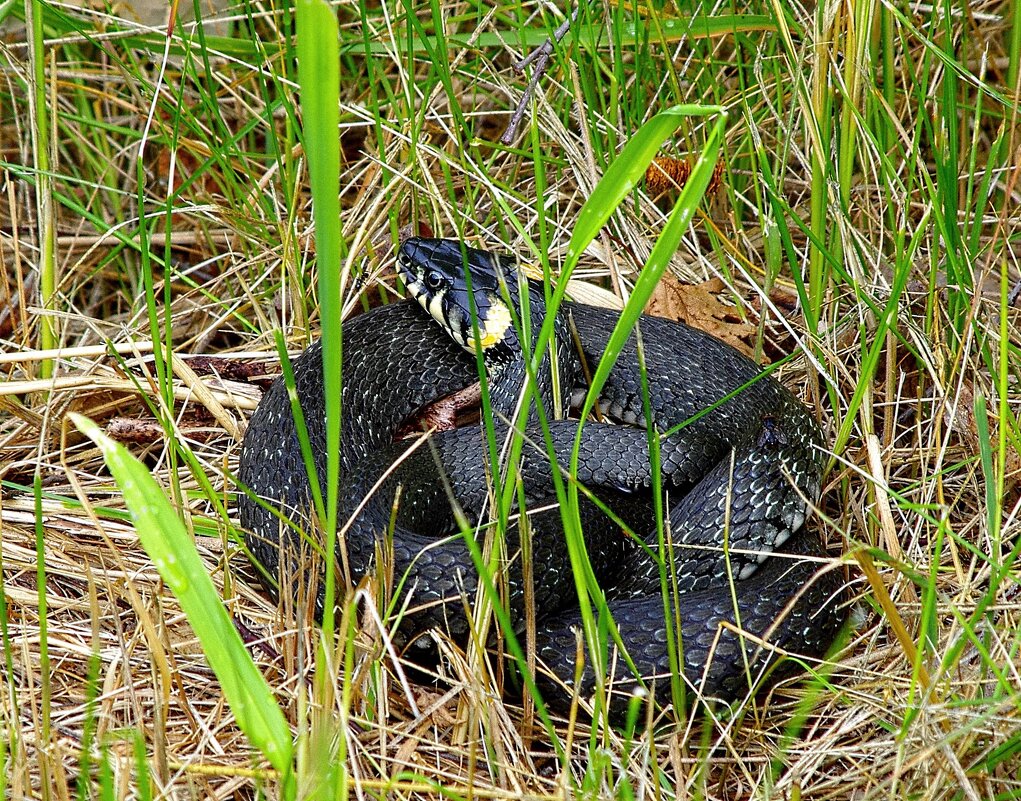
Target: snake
[{"x": 734, "y": 575}]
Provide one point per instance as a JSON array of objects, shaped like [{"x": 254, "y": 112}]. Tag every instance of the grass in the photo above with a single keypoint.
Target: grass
[{"x": 866, "y": 224}]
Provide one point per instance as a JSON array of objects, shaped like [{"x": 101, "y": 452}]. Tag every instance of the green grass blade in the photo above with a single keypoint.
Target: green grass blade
[
  {"x": 319, "y": 82},
  {"x": 662, "y": 253},
  {"x": 667, "y": 244},
  {"x": 617, "y": 183},
  {"x": 172, "y": 551},
  {"x": 46, "y": 688},
  {"x": 41, "y": 153},
  {"x": 699, "y": 26},
  {"x": 319, "y": 78},
  {"x": 1015, "y": 46},
  {"x": 625, "y": 172}
]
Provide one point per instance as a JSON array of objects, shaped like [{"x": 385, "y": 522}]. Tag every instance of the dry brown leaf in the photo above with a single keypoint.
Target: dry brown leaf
[
  {"x": 667, "y": 174},
  {"x": 698, "y": 306}
]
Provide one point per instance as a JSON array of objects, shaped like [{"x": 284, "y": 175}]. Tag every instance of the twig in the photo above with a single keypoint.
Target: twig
[{"x": 540, "y": 57}]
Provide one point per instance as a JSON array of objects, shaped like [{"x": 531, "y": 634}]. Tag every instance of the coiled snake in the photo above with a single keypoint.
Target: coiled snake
[{"x": 741, "y": 467}]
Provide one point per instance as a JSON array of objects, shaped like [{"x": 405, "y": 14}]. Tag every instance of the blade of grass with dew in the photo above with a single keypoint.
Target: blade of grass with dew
[{"x": 173, "y": 553}]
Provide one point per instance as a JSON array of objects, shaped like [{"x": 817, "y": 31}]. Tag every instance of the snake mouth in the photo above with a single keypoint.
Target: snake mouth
[{"x": 437, "y": 273}]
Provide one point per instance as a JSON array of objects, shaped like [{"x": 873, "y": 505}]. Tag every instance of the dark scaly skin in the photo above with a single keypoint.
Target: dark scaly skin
[
  {"x": 690, "y": 371},
  {"x": 787, "y": 601},
  {"x": 374, "y": 403},
  {"x": 397, "y": 359}
]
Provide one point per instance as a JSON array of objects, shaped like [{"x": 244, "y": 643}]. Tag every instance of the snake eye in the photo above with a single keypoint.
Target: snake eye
[{"x": 433, "y": 279}]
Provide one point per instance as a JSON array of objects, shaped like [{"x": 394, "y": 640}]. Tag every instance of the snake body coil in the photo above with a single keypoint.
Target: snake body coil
[{"x": 741, "y": 466}]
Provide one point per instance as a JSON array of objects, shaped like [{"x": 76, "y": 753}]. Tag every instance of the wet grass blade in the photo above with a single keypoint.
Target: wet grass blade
[{"x": 172, "y": 551}]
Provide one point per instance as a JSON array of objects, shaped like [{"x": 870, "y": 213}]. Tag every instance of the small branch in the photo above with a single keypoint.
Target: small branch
[{"x": 540, "y": 57}]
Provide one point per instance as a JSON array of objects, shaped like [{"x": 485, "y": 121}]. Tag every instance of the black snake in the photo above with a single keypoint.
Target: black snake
[{"x": 740, "y": 468}]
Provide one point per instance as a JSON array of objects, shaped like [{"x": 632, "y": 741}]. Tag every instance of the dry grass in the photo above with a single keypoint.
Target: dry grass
[{"x": 924, "y": 699}]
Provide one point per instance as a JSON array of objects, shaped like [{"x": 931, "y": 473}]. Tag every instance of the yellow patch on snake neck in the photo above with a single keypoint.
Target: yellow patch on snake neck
[{"x": 497, "y": 323}]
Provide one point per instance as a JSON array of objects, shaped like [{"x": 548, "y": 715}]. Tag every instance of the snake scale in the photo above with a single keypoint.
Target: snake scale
[{"x": 740, "y": 469}]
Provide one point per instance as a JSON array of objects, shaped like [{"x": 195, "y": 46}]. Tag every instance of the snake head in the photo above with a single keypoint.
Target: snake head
[{"x": 453, "y": 283}]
